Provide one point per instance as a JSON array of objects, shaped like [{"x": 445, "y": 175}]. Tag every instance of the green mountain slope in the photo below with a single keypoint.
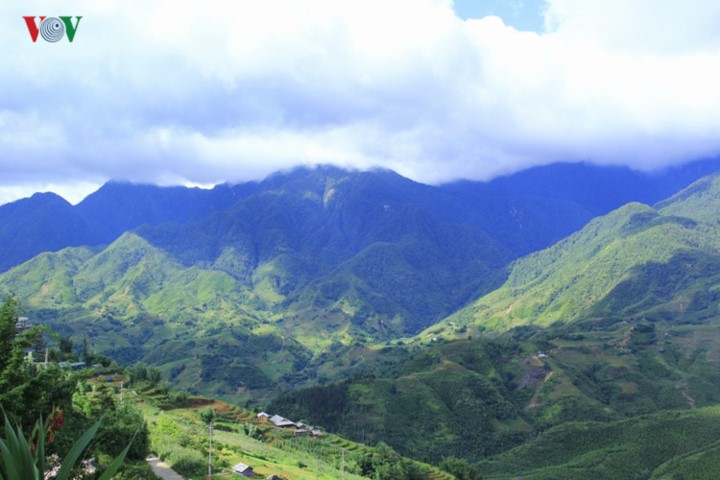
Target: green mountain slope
[
  {"x": 281, "y": 288},
  {"x": 666, "y": 445},
  {"x": 359, "y": 244},
  {"x": 135, "y": 303},
  {"x": 475, "y": 398},
  {"x": 616, "y": 321},
  {"x": 449, "y": 400},
  {"x": 241, "y": 328},
  {"x": 636, "y": 262},
  {"x": 700, "y": 201}
]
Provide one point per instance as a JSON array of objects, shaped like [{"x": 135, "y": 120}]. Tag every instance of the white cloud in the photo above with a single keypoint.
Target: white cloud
[
  {"x": 639, "y": 26},
  {"x": 183, "y": 91}
]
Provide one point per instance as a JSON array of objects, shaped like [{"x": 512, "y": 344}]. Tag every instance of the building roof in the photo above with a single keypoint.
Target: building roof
[
  {"x": 72, "y": 365},
  {"x": 241, "y": 468},
  {"x": 279, "y": 421},
  {"x": 263, "y": 414}
]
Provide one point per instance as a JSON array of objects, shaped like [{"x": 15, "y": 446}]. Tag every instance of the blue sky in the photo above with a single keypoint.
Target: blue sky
[
  {"x": 198, "y": 93},
  {"x": 521, "y": 14}
]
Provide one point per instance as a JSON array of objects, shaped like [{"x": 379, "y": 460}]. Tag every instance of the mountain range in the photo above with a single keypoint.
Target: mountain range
[
  {"x": 307, "y": 261},
  {"x": 485, "y": 315},
  {"x": 525, "y": 211}
]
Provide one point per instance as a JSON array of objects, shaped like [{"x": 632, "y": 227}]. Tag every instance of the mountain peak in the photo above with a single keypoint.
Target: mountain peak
[{"x": 46, "y": 198}]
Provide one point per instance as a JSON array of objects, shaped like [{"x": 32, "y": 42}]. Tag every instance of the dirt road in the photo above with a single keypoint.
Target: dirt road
[{"x": 162, "y": 469}]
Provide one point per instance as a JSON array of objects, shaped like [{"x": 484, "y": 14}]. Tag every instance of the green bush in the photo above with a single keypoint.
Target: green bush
[{"x": 187, "y": 461}]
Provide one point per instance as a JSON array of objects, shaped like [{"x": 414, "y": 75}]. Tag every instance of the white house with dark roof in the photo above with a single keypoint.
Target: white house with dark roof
[
  {"x": 282, "y": 422},
  {"x": 242, "y": 469}
]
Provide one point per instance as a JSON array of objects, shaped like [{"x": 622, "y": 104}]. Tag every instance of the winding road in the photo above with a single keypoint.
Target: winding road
[{"x": 162, "y": 469}]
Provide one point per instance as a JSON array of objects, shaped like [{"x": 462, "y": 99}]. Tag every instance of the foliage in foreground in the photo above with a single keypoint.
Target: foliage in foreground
[
  {"x": 28, "y": 391},
  {"x": 23, "y": 458}
]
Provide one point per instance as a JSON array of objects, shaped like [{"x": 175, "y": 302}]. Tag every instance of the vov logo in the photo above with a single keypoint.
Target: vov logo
[{"x": 52, "y": 29}]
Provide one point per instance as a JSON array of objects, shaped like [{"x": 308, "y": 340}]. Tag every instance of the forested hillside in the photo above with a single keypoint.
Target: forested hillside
[
  {"x": 617, "y": 324},
  {"x": 638, "y": 262}
]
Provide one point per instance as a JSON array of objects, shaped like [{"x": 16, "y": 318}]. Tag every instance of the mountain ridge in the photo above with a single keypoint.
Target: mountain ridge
[{"x": 524, "y": 212}]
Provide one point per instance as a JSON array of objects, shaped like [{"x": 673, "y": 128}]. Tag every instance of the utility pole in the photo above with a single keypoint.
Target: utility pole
[
  {"x": 210, "y": 454},
  {"x": 343, "y": 464},
  {"x": 207, "y": 415}
]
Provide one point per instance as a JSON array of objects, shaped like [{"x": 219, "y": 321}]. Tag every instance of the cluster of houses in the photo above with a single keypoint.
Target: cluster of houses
[{"x": 300, "y": 428}]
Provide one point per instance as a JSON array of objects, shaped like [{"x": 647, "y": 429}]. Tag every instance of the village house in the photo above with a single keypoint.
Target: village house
[
  {"x": 301, "y": 429},
  {"x": 242, "y": 469},
  {"x": 282, "y": 422},
  {"x": 23, "y": 323},
  {"x": 72, "y": 365}
]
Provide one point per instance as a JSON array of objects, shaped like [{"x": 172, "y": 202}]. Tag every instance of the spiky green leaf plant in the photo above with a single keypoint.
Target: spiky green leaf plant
[{"x": 19, "y": 460}]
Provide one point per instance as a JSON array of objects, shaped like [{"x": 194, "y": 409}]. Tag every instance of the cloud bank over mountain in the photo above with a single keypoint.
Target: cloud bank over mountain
[{"x": 188, "y": 92}]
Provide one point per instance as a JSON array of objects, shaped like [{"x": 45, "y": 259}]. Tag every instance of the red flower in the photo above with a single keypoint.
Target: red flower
[{"x": 55, "y": 422}]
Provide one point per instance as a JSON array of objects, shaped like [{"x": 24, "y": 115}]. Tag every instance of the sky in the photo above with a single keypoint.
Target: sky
[{"x": 198, "y": 93}]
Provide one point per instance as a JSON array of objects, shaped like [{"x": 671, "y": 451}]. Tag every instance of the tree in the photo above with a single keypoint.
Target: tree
[
  {"x": 85, "y": 351},
  {"x": 153, "y": 375},
  {"x": 179, "y": 398},
  {"x": 120, "y": 425},
  {"x": 207, "y": 415},
  {"x": 383, "y": 463},
  {"x": 136, "y": 374},
  {"x": 65, "y": 345},
  {"x": 8, "y": 329},
  {"x": 26, "y": 391},
  {"x": 460, "y": 468}
]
